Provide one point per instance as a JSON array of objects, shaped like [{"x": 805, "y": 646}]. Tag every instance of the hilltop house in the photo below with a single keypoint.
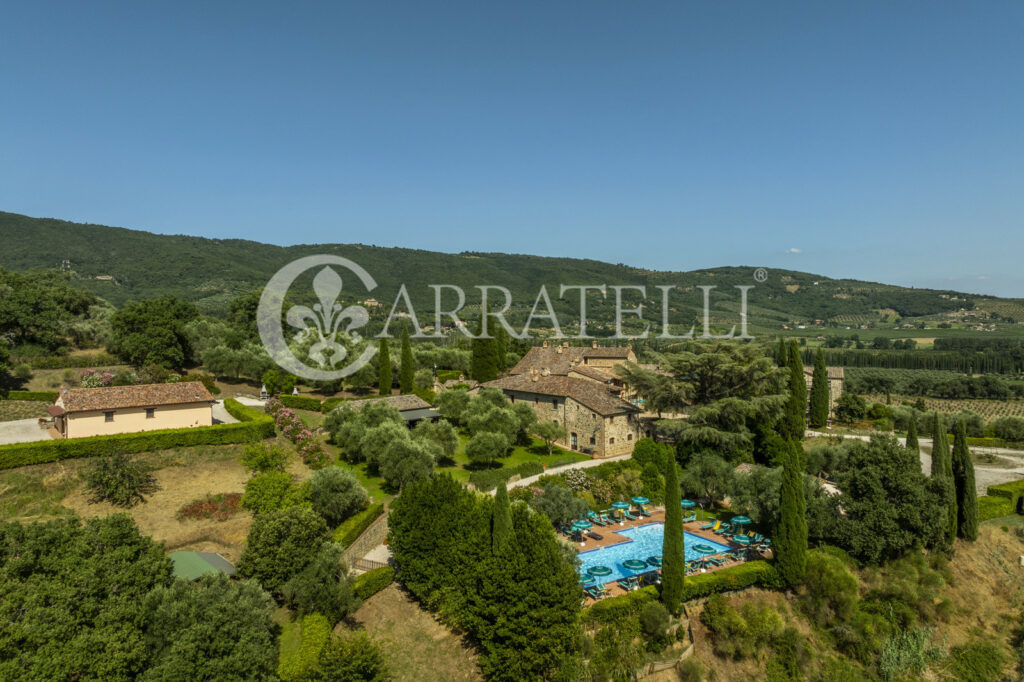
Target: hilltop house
[{"x": 81, "y": 412}]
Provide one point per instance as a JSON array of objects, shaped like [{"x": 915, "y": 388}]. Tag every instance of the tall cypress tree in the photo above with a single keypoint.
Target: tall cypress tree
[
  {"x": 500, "y": 348},
  {"x": 782, "y": 354},
  {"x": 791, "y": 534},
  {"x": 673, "y": 560},
  {"x": 384, "y": 369},
  {"x": 819, "y": 392},
  {"x": 483, "y": 358},
  {"x": 407, "y": 369},
  {"x": 912, "y": 444},
  {"x": 942, "y": 470},
  {"x": 501, "y": 520},
  {"x": 794, "y": 422},
  {"x": 963, "y": 477}
]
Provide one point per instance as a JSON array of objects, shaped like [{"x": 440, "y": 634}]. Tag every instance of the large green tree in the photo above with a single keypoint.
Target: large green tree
[
  {"x": 153, "y": 332},
  {"x": 942, "y": 473},
  {"x": 281, "y": 544},
  {"x": 794, "y": 420},
  {"x": 40, "y": 307},
  {"x": 819, "y": 407},
  {"x": 791, "y": 535},
  {"x": 384, "y": 378},
  {"x": 963, "y": 478},
  {"x": 407, "y": 367},
  {"x": 484, "y": 363},
  {"x": 719, "y": 394},
  {"x": 673, "y": 562}
]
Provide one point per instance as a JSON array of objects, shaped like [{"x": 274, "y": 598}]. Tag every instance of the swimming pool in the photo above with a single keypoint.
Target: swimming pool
[{"x": 641, "y": 542}]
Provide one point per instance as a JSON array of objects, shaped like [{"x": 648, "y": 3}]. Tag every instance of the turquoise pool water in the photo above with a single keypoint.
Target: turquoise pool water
[{"x": 641, "y": 542}]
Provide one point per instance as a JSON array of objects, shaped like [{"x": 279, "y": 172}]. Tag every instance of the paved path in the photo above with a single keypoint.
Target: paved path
[
  {"x": 983, "y": 476},
  {"x": 585, "y": 464},
  {"x": 22, "y": 431},
  {"x": 221, "y": 415}
]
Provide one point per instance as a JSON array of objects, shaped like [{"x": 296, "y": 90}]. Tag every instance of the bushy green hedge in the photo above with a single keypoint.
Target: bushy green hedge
[
  {"x": 1012, "y": 491},
  {"x": 66, "y": 361},
  {"x": 350, "y": 529},
  {"x": 992, "y": 442},
  {"x": 41, "y": 396},
  {"x": 426, "y": 394},
  {"x": 488, "y": 479},
  {"x": 298, "y": 662},
  {"x": 253, "y": 425},
  {"x": 615, "y": 609},
  {"x": 372, "y": 582},
  {"x": 749, "y": 574},
  {"x": 991, "y": 507},
  {"x": 300, "y": 402}
]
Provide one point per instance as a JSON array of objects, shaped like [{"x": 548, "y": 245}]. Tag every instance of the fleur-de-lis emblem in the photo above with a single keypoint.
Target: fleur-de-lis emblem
[{"x": 327, "y": 317}]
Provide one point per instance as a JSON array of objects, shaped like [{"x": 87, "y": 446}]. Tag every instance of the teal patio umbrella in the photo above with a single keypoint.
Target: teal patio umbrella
[
  {"x": 654, "y": 560},
  {"x": 620, "y": 505},
  {"x": 704, "y": 549},
  {"x": 638, "y": 500},
  {"x": 687, "y": 504},
  {"x": 741, "y": 540},
  {"x": 635, "y": 564},
  {"x": 586, "y": 580},
  {"x": 740, "y": 520},
  {"x": 582, "y": 525},
  {"x": 599, "y": 571}
]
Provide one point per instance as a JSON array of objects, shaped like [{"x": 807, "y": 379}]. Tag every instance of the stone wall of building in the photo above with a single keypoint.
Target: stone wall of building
[{"x": 621, "y": 434}]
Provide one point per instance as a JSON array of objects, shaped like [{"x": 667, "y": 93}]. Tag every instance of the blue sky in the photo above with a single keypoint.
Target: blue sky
[{"x": 880, "y": 141}]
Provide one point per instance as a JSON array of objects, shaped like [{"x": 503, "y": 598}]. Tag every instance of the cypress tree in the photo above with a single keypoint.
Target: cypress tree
[
  {"x": 483, "y": 360},
  {"x": 673, "y": 560},
  {"x": 794, "y": 423},
  {"x": 912, "y": 444},
  {"x": 963, "y": 478},
  {"x": 819, "y": 392},
  {"x": 407, "y": 370},
  {"x": 501, "y": 520},
  {"x": 791, "y": 534},
  {"x": 384, "y": 370},
  {"x": 500, "y": 348},
  {"x": 942, "y": 470},
  {"x": 782, "y": 355}
]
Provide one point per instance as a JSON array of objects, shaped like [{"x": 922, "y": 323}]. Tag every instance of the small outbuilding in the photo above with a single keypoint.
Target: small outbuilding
[{"x": 82, "y": 412}]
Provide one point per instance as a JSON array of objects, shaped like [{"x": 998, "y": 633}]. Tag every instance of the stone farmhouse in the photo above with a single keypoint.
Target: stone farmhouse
[
  {"x": 82, "y": 412},
  {"x": 577, "y": 388}
]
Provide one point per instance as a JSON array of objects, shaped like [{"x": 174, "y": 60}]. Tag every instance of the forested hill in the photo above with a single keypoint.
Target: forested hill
[{"x": 120, "y": 264}]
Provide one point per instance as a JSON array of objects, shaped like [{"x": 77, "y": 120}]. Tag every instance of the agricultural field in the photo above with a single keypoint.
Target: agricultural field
[{"x": 988, "y": 409}]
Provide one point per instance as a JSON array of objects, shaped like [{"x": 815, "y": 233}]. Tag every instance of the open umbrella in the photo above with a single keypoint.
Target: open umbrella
[
  {"x": 599, "y": 570},
  {"x": 687, "y": 504},
  {"x": 654, "y": 560},
  {"x": 741, "y": 539},
  {"x": 740, "y": 520},
  {"x": 640, "y": 500},
  {"x": 704, "y": 549},
  {"x": 635, "y": 564},
  {"x": 620, "y": 505},
  {"x": 587, "y": 580},
  {"x": 582, "y": 525}
]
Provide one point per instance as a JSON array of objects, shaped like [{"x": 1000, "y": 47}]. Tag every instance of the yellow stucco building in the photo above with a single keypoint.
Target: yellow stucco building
[{"x": 82, "y": 412}]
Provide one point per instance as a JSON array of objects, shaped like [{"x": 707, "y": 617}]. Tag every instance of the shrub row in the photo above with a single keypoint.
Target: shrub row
[
  {"x": 41, "y": 396},
  {"x": 300, "y": 402},
  {"x": 991, "y": 507},
  {"x": 350, "y": 529},
  {"x": 253, "y": 425},
  {"x": 372, "y": 582},
  {"x": 488, "y": 479},
  {"x": 68, "y": 361},
  {"x": 1012, "y": 491},
  {"x": 749, "y": 574},
  {"x": 991, "y": 442},
  {"x": 298, "y": 662},
  {"x": 614, "y": 609}
]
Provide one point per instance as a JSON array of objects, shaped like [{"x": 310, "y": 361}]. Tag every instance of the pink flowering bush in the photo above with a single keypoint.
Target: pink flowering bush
[{"x": 291, "y": 426}]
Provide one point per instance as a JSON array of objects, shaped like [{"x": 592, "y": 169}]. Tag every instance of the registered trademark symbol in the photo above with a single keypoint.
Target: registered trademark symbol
[{"x": 760, "y": 275}]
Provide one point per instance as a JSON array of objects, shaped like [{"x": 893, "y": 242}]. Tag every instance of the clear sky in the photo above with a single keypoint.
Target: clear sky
[{"x": 880, "y": 141}]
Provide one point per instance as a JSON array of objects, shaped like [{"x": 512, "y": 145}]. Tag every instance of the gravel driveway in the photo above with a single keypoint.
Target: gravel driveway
[{"x": 22, "y": 431}]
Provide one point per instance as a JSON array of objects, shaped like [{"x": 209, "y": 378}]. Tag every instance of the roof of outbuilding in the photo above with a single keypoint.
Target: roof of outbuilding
[
  {"x": 144, "y": 395},
  {"x": 833, "y": 372},
  {"x": 588, "y": 393},
  {"x": 592, "y": 372},
  {"x": 399, "y": 402}
]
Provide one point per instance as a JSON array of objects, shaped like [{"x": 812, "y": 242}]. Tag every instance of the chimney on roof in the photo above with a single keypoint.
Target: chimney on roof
[
  {"x": 559, "y": 350},
  {"x": 593, "y": 344},
  {"x": 534, "y": 376},
  {"x": 545, "y": 344}
]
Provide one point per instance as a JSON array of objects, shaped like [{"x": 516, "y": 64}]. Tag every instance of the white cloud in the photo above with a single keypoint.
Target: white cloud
[{"x": 793, "y": 250}]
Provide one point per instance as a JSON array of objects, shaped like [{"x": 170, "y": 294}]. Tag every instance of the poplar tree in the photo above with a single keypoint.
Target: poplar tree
[
  {"x": 942, "y": 471},
  {"x": 501, "y": 520},
  {"x": 819, "y": 392},
  {"x": 793, "y": 422},
  {"x": 791, "y": 534},
  {"x": 407, "y": 370},
  {"x": 673, "y": 559},
  {"x": 384, "y": 370},
  {"x": 963, "y": 477}
]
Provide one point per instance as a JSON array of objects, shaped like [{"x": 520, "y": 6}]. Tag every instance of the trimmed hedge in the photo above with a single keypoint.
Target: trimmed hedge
[
  {"x": 350, "y": 529},
  {"x": 41, "y": 396},
  {"x": 298, "y": 662},
  {"x": 372, "y": 582},
  {"x": 749, "y": 574},
  {"x": 68, "y": 361},
  {"x": 488, "y": 479},
  {"x": 1012, "y": 491},
  {"x": 253, "y": 425},
  {"x": 614, "y": 609},
  {"x": 991, "y": 507},
  {"x": 300, "y": 402}
]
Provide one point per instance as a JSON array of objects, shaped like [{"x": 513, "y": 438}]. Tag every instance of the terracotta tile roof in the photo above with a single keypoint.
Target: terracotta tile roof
[
  {"x": 607, "y": 352},
  {"x": 144, "y": 395},
  {"x": 591, "y": 394},
  {"x": 833, "y": 372},
  {"x": 595, "y": 373},
  {"x": 399, "y": 402},
  {"x": 560, "y": 359}
]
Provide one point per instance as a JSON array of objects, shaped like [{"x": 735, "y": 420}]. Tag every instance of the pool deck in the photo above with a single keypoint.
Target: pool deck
[{"x": 609, "y": 536}]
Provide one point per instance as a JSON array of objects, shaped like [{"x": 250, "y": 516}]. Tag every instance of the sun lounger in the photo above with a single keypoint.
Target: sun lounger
[
  {"x": 689, "y": 518},
  {"x": 642, "y": 511},
  {"x": 629, "y": 583},
  {"x": 629, "y": 516},
  {"x": 594, "y": 536},
  {"x": 709, "y": 525},
  {"x": 722, "y": 529}
]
